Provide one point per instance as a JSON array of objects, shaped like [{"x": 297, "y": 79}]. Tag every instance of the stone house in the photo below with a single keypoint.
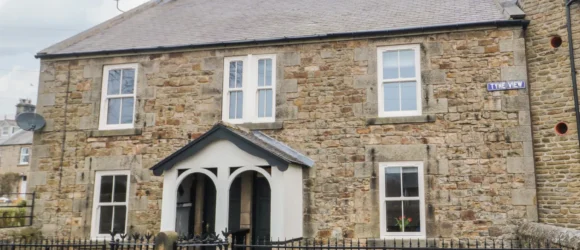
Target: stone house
[
  {"x": 286, "y": 120},
  {"x": 16, "y": 147}
]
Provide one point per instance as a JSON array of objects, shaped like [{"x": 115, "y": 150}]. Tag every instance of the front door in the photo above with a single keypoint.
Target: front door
[{"x": 261, "y": 210}]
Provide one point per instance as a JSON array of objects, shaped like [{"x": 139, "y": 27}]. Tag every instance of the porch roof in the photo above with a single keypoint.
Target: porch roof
[{"x": 256, "y": 143}]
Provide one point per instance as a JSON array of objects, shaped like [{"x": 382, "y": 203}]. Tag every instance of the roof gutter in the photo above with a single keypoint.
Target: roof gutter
[{"x": 436, "y": 28}]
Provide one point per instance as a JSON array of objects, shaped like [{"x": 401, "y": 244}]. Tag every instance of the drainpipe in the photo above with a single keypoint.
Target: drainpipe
[{"x": 573, "y": 66}]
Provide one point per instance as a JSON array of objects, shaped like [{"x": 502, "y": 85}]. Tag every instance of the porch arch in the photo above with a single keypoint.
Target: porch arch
[
  {"x": 249, "y": 168},
  {"x": 191, "y": 171}
]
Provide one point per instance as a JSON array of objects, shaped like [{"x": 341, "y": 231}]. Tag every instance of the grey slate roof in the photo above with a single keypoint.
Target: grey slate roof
[
  {"x": 172, "y": 23},
  {"x": 21, "y": 137},
  {"x": 274, "y": 146},
  {"x": 253, "y": 142}
]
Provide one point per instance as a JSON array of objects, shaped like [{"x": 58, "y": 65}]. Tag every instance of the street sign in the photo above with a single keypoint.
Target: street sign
[{"x": 505, "y": 85}]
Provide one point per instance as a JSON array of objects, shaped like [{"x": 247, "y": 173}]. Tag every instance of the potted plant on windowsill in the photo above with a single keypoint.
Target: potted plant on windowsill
[{"x": 403, "y": 222}]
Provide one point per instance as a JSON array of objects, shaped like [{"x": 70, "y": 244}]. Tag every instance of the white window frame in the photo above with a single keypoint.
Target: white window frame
[
  {"x": 104, "y": 98},
  {"x": 96, "y": 204},
  {"x": 249, "y": 88},
  {"x": 5, "y": 131},
  {"x": 22, "y": 154},
  {"x": 383, "y": 199},
  {"x": 381, "y": 81}
]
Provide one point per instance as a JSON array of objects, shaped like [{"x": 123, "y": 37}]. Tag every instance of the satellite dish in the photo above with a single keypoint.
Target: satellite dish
[{"x": 30, "y": 121}]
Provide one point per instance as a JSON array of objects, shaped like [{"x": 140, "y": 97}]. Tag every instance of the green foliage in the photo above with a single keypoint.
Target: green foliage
[
  {"x": 12, "y": 212},
  {"x": 8, "y": 182},
  {"x": 21, "y": 203}
]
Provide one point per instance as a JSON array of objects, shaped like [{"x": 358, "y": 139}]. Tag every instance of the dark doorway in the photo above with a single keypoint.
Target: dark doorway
[
  {"x": 261, "y": 209},
  {"x": 196, "y": 201}
]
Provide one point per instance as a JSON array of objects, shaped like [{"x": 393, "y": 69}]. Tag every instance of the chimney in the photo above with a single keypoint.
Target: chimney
[{"x": 25, "y": 106}]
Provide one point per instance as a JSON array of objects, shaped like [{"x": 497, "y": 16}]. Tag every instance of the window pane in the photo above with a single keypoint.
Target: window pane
[
  {"x": 261, "y": 72},
  {"x": 408, "y": 96},
  {"x": 233, "y": 102},
  {"x": 394, "y": 212},
  {"x": 120, "y": 188},
  {"x": 391, "y": 95},
  {"x": 232, "y": 74},
  {"x": 407, "y": 63},
  {"x": 239, "y": 105},
  {"x": 114, "y": 82},
  {"x": 236, "y": 104},
  {"x": 128, "y": 81},
  {"x": 127, "y": 115},
  {"x": 390, "y": 65},
  {"x": 269, "y": 69},
  {"x": 265, "y": 103},
  {"x": 393, "y": 182},
  {"x": 113, "y": 110},
  {"x": 119, "y": 220},
  {"x": 410, "y": 182},
  {"x": 106, "y": 189},
  {"x": 25, "y": 159},
  {"x": 412, "y": 215},
  {"x": 105, "y": 219}
]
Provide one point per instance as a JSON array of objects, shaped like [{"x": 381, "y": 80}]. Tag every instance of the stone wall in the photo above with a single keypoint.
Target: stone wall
[
  {"x": 476, "y": 145},
  {"x": 556, "y": 156},
  {"x": 558, "y": 237}
]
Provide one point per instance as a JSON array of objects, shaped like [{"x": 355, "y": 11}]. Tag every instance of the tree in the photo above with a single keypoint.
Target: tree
[{"x": 8, "y": 182}]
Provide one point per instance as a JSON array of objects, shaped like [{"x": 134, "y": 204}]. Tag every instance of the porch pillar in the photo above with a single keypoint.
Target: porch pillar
[
  {"x": 222, "y": 200},
  {"x": 169, "y": 201}
]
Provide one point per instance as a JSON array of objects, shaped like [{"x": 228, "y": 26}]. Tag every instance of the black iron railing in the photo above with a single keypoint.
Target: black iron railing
[
  {"x": 17, "y": 210},
  {"x": 118, "y": 242},
  {"x": 395, "y": 244}
]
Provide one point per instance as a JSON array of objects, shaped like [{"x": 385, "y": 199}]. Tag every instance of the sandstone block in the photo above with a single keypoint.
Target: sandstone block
[{"x": 524, "y": 197}]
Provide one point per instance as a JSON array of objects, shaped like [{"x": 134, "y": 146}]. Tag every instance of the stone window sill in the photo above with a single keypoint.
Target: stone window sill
[
  {"x": 263, "y": 126},
  {"x": 401, "y": 120},
  {"x": 119, "y": 132}
]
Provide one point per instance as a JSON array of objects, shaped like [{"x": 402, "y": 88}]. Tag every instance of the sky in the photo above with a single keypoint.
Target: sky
[{"x": 28, "y": 26}]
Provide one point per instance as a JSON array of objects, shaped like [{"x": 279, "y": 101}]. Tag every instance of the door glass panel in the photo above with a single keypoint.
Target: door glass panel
[
  {"x": 119, "y": 220},
  {"x": 393, "y": 182},
  {"x": 408, "y": 96},
  {"x": 410, "y": 182},
  {"x": 394, "y": 212},
  {"x": 412, "y": 215},
  {"x": 120, "y": 188},
  {"x": 407, "y": 63},
  {"x": 114, "y": 82},
  {"x": 106, "y": 189},
  {"x": 105, "y": 219}
]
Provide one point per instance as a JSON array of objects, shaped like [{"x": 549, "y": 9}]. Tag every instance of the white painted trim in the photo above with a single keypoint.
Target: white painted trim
[
  {"x": 22, "y": 154},
  {"x": 103, "y": 112},
  {"x": 249, "y": 88},
  {"x": 382, "y": 199},
  {"x": 96, "y": 194},
  {"x": 249, "y": 168},
  {"x": 417, "y": 78}
]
